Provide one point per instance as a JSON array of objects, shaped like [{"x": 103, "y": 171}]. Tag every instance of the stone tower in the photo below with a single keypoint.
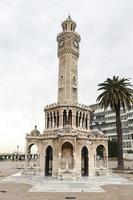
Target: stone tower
[
  {"x": 67, "y": 148},
  {"x": 68, "y": 53}
]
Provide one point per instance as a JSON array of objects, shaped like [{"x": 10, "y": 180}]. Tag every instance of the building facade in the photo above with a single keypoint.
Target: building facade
[
  {"x": 104, "y": 120},
  {"x": 67, "y": 148}
]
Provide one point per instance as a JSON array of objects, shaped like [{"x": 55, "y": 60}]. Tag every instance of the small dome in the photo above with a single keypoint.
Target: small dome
[{"x": 35, "y": 132}]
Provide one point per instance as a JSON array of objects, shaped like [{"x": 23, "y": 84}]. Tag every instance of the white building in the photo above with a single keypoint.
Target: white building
[{"x": 105, "y": 120}]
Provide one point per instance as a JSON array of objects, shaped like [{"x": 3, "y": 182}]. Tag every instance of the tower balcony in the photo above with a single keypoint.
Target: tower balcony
[{"x": 58, "y": 116}]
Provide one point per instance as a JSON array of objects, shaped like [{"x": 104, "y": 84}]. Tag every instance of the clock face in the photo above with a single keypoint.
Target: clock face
[
  {"x": 61, "y": 43},
  {"x": 75, "y": 43}
]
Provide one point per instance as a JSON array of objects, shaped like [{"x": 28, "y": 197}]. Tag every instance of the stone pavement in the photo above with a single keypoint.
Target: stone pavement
[
  {"x": 92, "y": 184},
  {"x": 119, "y": 189}
]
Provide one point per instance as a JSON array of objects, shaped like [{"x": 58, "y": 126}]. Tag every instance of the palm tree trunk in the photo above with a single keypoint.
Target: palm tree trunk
[{"x": 119, "y": 139}]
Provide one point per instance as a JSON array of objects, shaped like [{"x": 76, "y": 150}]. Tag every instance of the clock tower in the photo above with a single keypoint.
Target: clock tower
[
  {"x": 67, "y": 147},
  {"x": 68, "y": 53}
]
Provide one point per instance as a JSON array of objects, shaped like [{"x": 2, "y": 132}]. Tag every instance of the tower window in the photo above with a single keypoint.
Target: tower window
[{"x": 61, "y": 81}]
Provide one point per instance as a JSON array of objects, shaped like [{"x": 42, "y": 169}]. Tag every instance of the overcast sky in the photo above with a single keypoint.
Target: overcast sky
[{"x": 29, "y": 63}]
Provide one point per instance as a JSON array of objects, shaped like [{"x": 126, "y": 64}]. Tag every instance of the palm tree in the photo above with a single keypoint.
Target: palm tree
[{"x": 117, "y": 93}]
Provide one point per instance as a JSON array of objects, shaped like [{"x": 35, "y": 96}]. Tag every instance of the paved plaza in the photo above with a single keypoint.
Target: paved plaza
[{"x": 16, "y": 187}]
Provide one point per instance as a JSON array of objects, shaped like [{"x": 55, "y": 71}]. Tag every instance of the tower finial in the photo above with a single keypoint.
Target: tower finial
[
  {"x": 69, "y": 16},
  {"x": 35, "y": 127}
]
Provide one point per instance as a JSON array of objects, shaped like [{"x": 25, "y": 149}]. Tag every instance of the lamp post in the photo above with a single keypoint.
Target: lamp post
[{"x": 17, "y": 149}]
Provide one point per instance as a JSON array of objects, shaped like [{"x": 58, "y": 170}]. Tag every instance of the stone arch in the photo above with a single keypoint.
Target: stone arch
[
  {"x": 31, "y": 146},
  {"x": 32, "y": 153},
  {"x": 84, "y": 161},
  {"x": 48, "y": 160},
  {"x": 67, "y": 155},
  {"x": 101, "y": 155},
  {"x": 68, "y": 142},
  {"x": 101, "y": 144}
]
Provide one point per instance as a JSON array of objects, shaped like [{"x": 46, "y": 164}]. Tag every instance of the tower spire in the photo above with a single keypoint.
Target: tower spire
[{"x": 69, "y": 16}]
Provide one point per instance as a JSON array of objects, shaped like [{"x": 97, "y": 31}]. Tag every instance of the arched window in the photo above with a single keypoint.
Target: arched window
[
  {"x": 70, "y": 117},
  {"x": 57, "y": 118},
  {"x": 83, "y": 120},
  {"x": 64, "y": 118},
  {"x": 54, "y": 120},
  {"x": 86, "y": 122},
  {"x": 77, "y": 119}
]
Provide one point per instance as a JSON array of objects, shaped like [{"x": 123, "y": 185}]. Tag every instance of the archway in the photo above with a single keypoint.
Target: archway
[
  {"x": 32, "y": 154},
  {"x": 84, "y": 161},
  {"x": 100, "y": 156},
  {"x": 67, "y": 156},
  {"x": 48, "y": 161}
]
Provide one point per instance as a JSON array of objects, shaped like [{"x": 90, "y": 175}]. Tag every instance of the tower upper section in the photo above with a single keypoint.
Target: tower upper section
[{"x": 68, "y": 53}]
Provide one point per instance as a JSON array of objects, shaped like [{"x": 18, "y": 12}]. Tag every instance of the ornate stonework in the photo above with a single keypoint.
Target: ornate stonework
[{"x": 67, "y": 148}]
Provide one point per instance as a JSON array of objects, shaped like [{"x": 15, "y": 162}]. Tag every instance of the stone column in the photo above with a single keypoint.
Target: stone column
[
  {"x": 74, "y": 161},
  {"x": 61, "y": 119},
  {"x": 88, "y": 122},
  {"x": 73, "y": 119},
  {"x": 59, "y": 161},
  {"x": 83, "y": 121},
  {"x": 42, "y": 164},
  {"x": 77, "y": 164},
  {"x": 55, "y": 119},
  {"x": 79, "y": 119},
  {"x": 52, "y": 120},
  {"x": 55, "y": 165},
  {"x": 59, "y": 165},
  {"x": 45, "y": 122},
  {"x": 92, "y": 160},
  {"x": 27, "y": 155}
]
